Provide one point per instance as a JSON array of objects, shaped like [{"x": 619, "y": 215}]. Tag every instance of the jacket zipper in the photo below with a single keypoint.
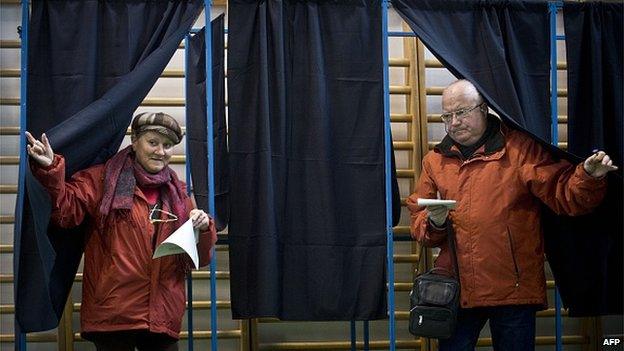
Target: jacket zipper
[{"x": 513, "y": 257}]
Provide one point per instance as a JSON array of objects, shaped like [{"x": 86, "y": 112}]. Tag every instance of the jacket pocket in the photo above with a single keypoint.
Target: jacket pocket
[{"x": 513, "y": 256}]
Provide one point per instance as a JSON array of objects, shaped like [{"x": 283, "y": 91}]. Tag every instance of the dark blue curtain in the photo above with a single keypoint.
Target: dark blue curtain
[
  {"x": 90, "y": 65},
  {"x": 502, "y": 46},
  {"x": 196, "y": 120},
  {"x": 585, "y": 253},
  {"x": 305, "y": 109}
]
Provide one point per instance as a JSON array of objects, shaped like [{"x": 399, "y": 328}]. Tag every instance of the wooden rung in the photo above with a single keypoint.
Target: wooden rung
[
  {"x": 405, "y": 173},
  {"x": 546, "y": 340},
  {"x": 160, "y": 102},
  {"x": 167, "y": 102},
  {"x": 434, "y": 63},
  {"x": 563, "y": 145},
  {"x": 409, "y": 258},
  {"x": 403, "y": 145},
  {"x": 435, "y": 118},
  {"x": 398, "y": 62},
  {"x": 338, "y": 345},
  {"x": 10, "y": 101},
  {"x": 173, "y": 73},
  {"x": 9, "y": 130},
  {"x": 10, "y": 73},
  {"x": 549, "y": 313},
  {"x": 8, "y": 189},
  {"x": 395, "y": 117},
  {"x": 7, "y": 219},
  {"x": 31, "y": 337},
  {"x": 10, "y": 44},
  {"x": 197, "y": 305},
  {"x": 6, "y": 248},
  {"x": 7, "y": 309},
  {"x": 168, "y": 73},
  {"x": 439, "y": 90},
  {"x": 9, "y": 160},
  {"x": 401, "y": 230},
  {"x": 221, "y": 334},
  {"x": 400, "y": 89},
  {"x": 200, "y": 275},
  {"x": 16, "y": 130},
  {"x": 197, "y": 334},
  {"x": 400, "y": 117},
  {"x": 402, "y": 286}
]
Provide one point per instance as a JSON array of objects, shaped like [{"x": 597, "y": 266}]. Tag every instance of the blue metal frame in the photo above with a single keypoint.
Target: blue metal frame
[
  {"x": 189, "y": 278},
  {"x": 210, "y": 164},
  {"x": 20, "y": 338},
  {"x": 366, "y": 324},
  {"x": 209, "y": 157},
  {"x": 387, "y": 163},
  {"x": 553, "y": 8}
]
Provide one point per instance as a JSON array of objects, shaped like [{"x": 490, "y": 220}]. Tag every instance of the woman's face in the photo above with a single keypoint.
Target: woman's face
[{"x": 153, "y": 151}]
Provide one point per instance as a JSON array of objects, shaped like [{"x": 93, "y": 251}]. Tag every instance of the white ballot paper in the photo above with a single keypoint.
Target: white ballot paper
[
  {"x": 437, "y": 202},
  {"x": 183, "y": 240}
]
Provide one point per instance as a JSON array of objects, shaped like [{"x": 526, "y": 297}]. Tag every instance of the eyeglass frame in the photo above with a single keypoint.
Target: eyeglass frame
[
  {"x": 158, "y": 220},
  {"x": 459, "y": 114}
]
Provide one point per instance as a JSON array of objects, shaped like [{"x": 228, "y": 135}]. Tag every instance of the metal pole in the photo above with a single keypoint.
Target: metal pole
[
  {"x": 388, "y": 190},
  {"x": 189, "y": 278},
  {"x": 20, "y": 338},
  {"x": 554, "y": 137},
  {"x": 210, "y": 164}
]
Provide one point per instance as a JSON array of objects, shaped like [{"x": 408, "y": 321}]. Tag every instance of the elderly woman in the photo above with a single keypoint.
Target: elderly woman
[{"x": 130, "y": 204}]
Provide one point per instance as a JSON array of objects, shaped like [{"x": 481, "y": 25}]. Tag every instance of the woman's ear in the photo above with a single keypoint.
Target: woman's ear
[{"x": 133, "y": 140}]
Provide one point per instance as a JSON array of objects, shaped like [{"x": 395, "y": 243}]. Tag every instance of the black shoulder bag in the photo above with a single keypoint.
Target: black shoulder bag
[{"x": 434, "y": 299}]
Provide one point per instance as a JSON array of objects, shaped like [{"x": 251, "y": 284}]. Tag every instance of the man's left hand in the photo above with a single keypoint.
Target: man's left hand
[
  {"x": 598, "y": 164},
  {"x": 201, "y": 220}
]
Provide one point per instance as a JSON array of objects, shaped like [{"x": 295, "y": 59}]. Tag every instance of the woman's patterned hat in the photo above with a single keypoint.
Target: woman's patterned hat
[{"x": 158, "y": 122}]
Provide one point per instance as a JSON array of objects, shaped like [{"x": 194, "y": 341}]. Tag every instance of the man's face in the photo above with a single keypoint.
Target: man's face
[
  {"x": 153, "y": 151},
  {"x": 468, "y": 128}
]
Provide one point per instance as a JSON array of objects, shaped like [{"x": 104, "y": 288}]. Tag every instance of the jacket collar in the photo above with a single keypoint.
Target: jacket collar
[{"x": 492, "y": 145}]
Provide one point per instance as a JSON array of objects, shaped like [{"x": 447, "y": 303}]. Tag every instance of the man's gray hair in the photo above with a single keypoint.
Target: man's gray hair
[{"x": 466, "y": 88}]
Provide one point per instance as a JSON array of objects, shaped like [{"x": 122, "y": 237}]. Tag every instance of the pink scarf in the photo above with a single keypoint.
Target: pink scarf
[{"x": 123, "y": 173}]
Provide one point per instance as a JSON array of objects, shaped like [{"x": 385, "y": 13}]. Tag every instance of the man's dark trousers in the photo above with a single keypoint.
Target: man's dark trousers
[{"x": 512, "y": 328}]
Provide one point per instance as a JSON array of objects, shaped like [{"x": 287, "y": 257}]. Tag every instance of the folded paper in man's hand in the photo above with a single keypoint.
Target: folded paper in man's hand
[{"x": 437, "y": 202}]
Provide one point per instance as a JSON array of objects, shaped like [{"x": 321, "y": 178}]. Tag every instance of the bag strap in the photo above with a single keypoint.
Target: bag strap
[{"x": 450, "y": 236}]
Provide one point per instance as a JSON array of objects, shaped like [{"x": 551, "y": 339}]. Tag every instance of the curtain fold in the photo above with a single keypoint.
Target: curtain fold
[
  {"x": 305, "y": 109},
  {"x": 196, "y": 120},
  {"x": 90, "y": 65},
  {"x": 594, "y": 53},
  {"x": 501, "y": 46}
]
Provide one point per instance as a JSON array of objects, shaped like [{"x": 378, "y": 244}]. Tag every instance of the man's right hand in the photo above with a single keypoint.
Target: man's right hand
[
  {"x": 437, "y": 214},
  {"x": 40, "y": 151}
]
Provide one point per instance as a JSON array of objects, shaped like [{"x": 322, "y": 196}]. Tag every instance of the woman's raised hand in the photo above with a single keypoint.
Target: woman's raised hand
[{"x": 40, "y": 151}]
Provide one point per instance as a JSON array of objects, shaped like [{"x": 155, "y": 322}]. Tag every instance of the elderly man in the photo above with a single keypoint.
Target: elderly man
[{"x": 499, "y": 177}]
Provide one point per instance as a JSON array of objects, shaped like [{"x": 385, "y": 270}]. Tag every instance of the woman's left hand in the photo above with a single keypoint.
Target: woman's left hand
[{"x": 201, "y": 220}]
